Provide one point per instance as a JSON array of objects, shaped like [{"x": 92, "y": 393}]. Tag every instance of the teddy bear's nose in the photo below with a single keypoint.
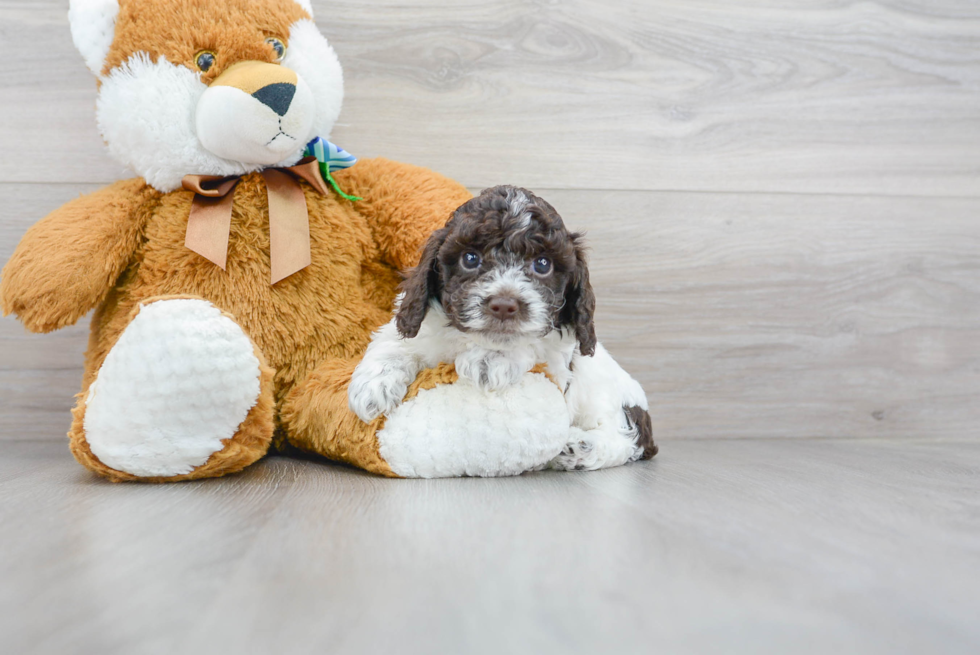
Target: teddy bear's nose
[{"x": 277, "y": 96}]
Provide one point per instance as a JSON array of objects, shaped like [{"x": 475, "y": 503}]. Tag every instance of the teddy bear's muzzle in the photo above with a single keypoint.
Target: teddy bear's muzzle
[{"x": 256, "y": 113}]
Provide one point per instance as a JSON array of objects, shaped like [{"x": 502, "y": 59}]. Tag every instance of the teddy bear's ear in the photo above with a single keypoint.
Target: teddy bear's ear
[
  {"x": 307, "y": 5},
  {"x": 93, "y": 27}
]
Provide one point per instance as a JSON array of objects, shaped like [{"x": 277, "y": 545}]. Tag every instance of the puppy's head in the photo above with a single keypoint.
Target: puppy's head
[{"x": 506, "y": 268}]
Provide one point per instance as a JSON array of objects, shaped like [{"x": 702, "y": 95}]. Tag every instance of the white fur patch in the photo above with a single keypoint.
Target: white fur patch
[
  {"x": 458, "y": 429},
  {"x": 603, "y": 447},
  {"x": 381, "y": 380},
  {"x": 145, "y": 112},
  {"x": 181, "y": 379},
  {"x": 93, "y": 28},
  {"x": 599, "y": 384},
  {"x": 235, "y": 126},
  {"x": 518, "y": 202},
  {"x": 598, "y": 392},
  {"x": 495, "y": 369},
  {"x": 316, "y": 63}
]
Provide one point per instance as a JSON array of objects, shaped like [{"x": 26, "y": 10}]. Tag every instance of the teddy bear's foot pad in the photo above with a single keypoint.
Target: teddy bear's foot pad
[
  {"x": 180, "y": 380},
  {"x": 457, "y": 429}
]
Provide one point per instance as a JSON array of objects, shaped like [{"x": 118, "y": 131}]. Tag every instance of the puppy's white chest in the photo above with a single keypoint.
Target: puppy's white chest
[
  {"x": 494, "y": 369},
  {"x": 490, "y": 364}
]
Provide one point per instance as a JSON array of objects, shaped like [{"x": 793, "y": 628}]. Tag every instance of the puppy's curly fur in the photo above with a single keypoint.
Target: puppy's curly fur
[
  {"x": 502, "y": 287},
  {"x": 509, "y": 229}
]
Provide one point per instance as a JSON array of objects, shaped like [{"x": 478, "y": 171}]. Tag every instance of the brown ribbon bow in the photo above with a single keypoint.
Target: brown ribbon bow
[{"x": 209, "y": 224}]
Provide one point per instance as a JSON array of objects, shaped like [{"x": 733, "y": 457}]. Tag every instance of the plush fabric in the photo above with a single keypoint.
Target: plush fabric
[
  {"x": 250, "y": 439},
  {"x": 178, "y": 29},
  {"x": 176, "y": 386},
  {"x": 317, "y": 320},
  {"x": 93, "y": 23},
  {"x": 149, "y": 109},
  {"x": 67, "y": 263},
  {"x": 193, "y": 371},
  {"x": 456, "y": 431}
]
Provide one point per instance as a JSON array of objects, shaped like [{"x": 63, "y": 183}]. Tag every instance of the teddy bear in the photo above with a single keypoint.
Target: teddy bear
[{"x": 236, "y": 282}]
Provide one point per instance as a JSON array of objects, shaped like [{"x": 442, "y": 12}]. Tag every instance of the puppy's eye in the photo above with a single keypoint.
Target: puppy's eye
[
  {"x": 470, "y": 260},
  {"x": 204, "y": 60},
  {"x": 278, "y": 46},
  {"x": 542, "y": 266}
]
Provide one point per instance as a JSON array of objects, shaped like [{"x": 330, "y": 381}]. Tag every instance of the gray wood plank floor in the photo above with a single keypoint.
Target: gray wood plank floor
[{"x": 756, "y": 546}]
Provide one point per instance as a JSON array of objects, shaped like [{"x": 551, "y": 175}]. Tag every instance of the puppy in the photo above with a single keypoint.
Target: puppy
[{"x": 502, "y": 287}]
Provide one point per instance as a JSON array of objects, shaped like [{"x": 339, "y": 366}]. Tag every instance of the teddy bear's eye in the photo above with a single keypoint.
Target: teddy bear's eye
[
  {"x": 278, "y": 46},
  {"x": 204, "y": 60}
]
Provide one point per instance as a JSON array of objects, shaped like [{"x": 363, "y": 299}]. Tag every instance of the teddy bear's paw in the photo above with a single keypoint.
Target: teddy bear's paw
[
  {"x": 180, "y": 380},
  {"x": 459, "y": 429}
]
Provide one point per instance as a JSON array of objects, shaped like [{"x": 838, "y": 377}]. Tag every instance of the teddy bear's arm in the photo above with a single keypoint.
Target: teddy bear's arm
[
  {"x": 67, "y": 262},
  {"x": 403, "y": 204}
]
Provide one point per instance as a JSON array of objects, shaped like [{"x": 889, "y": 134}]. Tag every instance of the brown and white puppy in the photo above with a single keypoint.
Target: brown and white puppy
[
  {"x": 504, "y": 268},
  {"x": 502, "y": 287}
]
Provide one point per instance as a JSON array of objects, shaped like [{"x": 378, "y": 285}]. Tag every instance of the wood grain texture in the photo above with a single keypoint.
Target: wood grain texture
[
  {"x": 743, "y": 315},
  {"x": 751, "y": 547},
  {"x": 817, "y": 96},
  {"x": 791, "y": 316}
]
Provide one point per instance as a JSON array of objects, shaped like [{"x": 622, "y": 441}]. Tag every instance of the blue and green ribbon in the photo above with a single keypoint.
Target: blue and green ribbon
[{"x": 331, "y": 157}]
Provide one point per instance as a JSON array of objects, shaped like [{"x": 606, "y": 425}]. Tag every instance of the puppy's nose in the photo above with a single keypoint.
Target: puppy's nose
[
  {"x": 277, "y": 96},
  {"x": 503, "y": 307}
]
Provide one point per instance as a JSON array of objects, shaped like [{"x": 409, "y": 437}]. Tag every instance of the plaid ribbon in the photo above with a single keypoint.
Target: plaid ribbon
[{"x": 331, "y": 157}]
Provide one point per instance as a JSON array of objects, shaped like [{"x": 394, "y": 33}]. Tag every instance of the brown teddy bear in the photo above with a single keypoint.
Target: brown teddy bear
[{"x": 236, "y": 283}]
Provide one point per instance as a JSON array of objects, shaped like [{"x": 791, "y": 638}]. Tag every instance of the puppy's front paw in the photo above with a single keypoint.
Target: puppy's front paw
[
  {"x": 370, "y": 396},
  {"x": 489, "y": 369}
]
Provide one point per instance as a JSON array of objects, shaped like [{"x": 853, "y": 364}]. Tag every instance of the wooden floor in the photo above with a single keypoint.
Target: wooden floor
[
  {"x": 783, "y": 205},
  {"x": 750, "y": 546}
]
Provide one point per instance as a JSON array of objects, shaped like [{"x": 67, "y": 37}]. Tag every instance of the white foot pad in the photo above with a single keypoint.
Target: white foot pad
[
  {"x": 457, "y": 429},
  {"x": 181, "y": 378}
]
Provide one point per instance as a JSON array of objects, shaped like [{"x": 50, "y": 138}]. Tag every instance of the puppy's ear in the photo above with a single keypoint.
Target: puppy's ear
[
  {"x": 422, "y": 284},
  {"x": 580, "y": 302}
]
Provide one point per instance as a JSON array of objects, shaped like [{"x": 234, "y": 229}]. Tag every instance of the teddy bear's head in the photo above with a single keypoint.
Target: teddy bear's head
[{"x": 207, "y": 87}]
